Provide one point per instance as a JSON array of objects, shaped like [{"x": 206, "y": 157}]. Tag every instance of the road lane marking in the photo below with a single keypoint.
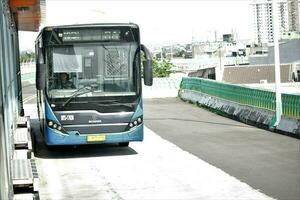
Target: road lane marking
[{"x": 29, "y": 98}]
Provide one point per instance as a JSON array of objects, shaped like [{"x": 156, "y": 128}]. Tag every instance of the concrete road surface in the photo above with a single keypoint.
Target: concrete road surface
[
  {"x": 265, "y": 160},
  {"x": 153, "y": 169},
  {"x": 29, "y": 94}
]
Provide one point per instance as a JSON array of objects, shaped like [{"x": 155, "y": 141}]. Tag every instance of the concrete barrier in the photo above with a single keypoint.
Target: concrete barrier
[
  {"x": 27, "y": 74},
  {"x": 162, "y": 87},
  {"x": 259, "y": 117}
]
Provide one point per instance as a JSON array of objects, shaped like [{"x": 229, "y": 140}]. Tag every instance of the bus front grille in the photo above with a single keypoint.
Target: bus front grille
[{"x": 97, "y": 128}]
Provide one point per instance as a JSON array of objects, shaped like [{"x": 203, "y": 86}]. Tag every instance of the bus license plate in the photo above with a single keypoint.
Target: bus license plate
[{"x": 96, "y": 138}]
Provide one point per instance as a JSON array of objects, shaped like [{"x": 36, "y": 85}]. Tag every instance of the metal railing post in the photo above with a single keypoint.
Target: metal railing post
[{"x": 276, "y": 32}]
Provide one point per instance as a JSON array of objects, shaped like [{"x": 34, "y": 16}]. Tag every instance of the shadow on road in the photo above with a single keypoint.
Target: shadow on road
[
  {"x": 197, "y": 121},
  {"x": 94, "y": 150}
]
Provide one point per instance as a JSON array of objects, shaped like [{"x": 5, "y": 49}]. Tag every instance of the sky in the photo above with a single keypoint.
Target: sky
[{"x": 160, "y": 21}]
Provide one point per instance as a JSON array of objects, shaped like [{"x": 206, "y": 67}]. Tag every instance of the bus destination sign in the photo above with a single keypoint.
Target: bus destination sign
[
  {"x": 88, "y": 35},
  {"x": 71, "y": 36}
]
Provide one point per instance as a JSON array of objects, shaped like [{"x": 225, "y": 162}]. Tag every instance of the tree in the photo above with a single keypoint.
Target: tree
[
  {"x": 27, "y": 56},
  {"x": 161, "y": 68}
]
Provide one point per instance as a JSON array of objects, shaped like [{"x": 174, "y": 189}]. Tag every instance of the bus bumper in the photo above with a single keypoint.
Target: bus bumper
[{"x": 54, "y": 137}]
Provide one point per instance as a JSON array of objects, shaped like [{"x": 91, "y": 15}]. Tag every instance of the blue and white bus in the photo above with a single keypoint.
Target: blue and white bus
[{"x": 88, "y": 80}]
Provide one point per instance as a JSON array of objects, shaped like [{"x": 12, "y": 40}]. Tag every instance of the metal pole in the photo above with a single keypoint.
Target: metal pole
[
  {"x": 220, "y": 76},
  {"x": 276, "y": 32}
]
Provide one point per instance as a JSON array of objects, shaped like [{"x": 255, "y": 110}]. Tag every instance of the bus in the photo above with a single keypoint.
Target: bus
[{"x": 89, "y": 83}]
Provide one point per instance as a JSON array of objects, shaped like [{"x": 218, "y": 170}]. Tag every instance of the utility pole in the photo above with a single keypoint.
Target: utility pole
[
  {"x": 219, "y": 76},
  {"x": 277, "y": 63}
]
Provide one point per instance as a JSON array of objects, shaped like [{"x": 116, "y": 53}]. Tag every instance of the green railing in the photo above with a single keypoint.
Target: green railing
[{"x": 243, "y": 95}]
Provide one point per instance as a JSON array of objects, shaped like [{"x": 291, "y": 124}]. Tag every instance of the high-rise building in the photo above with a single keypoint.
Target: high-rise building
[
  {"x": 294, "y": 16},
  {"x": 262, "y": 12}
]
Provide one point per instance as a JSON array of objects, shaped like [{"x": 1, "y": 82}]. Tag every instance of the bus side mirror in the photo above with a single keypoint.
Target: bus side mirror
[
  {"x": 148, "y": 74},
  {"x": 40, "y": 76},
  {"x": 147, "y": 64}
]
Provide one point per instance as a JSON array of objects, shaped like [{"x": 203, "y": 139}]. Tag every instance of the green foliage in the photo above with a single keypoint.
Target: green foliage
[
  {"x": 161, "y": 68},
  {"x": 27, "y": 56}
]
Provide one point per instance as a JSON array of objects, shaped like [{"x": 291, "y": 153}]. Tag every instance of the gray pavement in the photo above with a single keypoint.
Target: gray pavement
[
  {"x": 265, "y": 160},
  {"x": 138, "y": 172}
]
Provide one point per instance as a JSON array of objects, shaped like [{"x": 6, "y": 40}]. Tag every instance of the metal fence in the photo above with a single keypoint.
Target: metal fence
[{"x": 244, "y": 95}]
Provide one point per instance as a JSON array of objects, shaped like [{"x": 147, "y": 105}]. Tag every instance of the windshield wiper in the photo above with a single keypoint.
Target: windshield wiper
[
  {"x": 116, "y": 103},
  {"x": 77, "y": 93},
  {"x": 113, "y": 103}
]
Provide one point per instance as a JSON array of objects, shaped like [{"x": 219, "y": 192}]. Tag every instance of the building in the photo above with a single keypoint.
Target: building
[
  {"x": 292, "y": 35},
  {"x": 208, "y": 73},
  {"x": 228, "y": 38},
  {"x": 262, "y": 12},
  {"x": 261, "y": 68},
  {"x": 293, "y": 15},
  {"x": 258, "y": 74},
  {"x": 289, "y": 53}
]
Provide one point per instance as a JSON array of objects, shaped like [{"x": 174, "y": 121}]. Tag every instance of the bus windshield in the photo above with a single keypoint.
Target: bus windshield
[{"x": 106, "y": 69}]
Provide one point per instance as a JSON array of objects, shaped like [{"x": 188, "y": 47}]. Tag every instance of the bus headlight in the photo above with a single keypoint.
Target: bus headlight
[
  {"x": 50, "y": 123},
  {"x": 136, "y": 122},
  {"x": 56, "y": 126},
  {"x": 139, "y": 120}
]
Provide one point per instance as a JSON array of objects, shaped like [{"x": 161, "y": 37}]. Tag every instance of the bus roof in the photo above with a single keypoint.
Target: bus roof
[{"x": 93, "y": 25}]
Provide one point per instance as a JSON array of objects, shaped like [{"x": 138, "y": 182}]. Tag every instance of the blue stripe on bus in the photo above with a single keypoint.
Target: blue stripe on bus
[
  {"x": 49, "y": 113},
  {"x": 139, "y": 110}
]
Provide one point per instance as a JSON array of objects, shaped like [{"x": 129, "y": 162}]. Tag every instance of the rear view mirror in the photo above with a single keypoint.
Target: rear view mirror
[
  {"x": 40, "y": 76},
  {"x": 147, "y": 64}
]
